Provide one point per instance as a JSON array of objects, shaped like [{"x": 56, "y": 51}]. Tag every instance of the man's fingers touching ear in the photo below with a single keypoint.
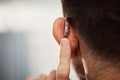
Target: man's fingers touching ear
[
  {"x": 58, "y": 29},
  {"x": 63, "y": 69}
]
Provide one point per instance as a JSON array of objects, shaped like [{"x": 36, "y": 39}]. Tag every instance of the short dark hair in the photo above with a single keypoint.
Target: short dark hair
[{"x": 98, "y": 22}]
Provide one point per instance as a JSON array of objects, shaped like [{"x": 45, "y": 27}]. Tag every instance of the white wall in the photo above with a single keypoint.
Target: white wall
[{"x": 35, "y": 19}]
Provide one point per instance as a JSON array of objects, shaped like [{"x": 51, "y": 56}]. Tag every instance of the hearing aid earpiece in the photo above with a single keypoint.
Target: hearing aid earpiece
[{"x": 66, "y": 31}]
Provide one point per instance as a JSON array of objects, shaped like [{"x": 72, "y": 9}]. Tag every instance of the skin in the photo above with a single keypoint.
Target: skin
[{"x": 74, "y": 48}]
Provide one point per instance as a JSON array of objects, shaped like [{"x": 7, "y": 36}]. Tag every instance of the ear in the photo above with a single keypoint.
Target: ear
[{"x": 58, "y": 32}]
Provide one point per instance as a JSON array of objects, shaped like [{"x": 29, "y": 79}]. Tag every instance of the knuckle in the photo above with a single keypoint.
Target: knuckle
[
  {"x": 62, "y": 75},
  {"x": 62, "y": 56}
]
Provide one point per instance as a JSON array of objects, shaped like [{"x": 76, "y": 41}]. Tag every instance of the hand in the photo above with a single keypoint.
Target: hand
[{"x": 63, "y": 70}]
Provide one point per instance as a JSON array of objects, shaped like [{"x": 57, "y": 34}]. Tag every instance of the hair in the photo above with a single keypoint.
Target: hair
[{"x": 98, "y": 22}]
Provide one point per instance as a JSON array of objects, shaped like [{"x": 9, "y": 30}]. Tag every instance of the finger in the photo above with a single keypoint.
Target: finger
[
  {"x": 52, "y": 75},
  {"x": 63, "y": 69},
  {"x": 42, "y": 77}
]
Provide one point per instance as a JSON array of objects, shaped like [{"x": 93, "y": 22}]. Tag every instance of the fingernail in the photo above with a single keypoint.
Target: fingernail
[{"x": 64, "y": 43}]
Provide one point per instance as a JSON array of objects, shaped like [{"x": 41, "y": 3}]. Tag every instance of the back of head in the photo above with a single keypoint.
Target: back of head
[{"x": 98, "y": 22}]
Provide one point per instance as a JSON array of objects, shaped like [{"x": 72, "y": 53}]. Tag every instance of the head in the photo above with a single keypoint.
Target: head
[{"x": 94, "y": 36}]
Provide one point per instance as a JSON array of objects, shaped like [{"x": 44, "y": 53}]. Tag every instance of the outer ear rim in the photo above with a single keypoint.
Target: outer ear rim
[{"x": 58, "y": 29}]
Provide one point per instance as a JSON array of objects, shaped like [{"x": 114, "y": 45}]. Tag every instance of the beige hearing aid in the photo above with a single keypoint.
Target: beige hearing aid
[{"x": 66, "y": 32}]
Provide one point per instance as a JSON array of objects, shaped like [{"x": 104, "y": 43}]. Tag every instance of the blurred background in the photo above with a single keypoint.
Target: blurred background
[{"x": 27, "y": 46}]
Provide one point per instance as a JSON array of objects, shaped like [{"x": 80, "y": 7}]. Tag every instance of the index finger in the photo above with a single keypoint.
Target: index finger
[{"x": 63, "y": 69}]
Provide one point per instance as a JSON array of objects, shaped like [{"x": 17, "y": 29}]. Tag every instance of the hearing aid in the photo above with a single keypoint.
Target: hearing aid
[{"x": 66, "y": 31}]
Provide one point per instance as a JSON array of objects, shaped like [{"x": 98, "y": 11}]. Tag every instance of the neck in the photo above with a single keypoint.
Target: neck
[
  {"x": 99, "y": 69},
  {"x": 103, "y": 74}
]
